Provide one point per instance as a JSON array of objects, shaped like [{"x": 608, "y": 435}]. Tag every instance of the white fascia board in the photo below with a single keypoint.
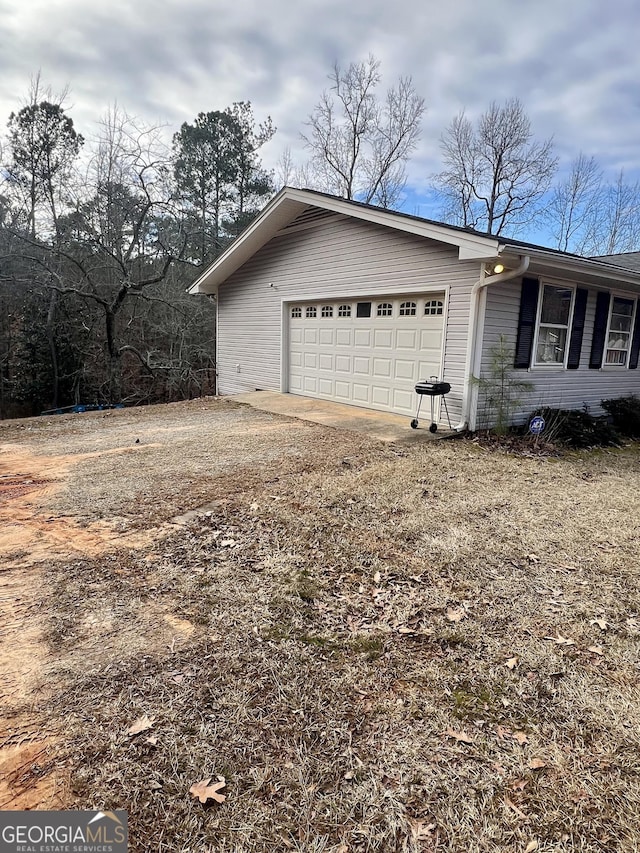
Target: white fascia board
[
  {"x": 609, "y": 273},
  {"x": 288, "y": 203}
]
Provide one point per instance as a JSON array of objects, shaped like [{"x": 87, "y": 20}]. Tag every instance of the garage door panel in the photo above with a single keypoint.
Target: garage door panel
[
  {"x": 381, "y": 396},
  {"x": 382, "y": 367},
  {"x": 361, "y": 366},
  {"x": 431, "y": 339},
  {"x": 406, "y": 339},
  {"x": 383, "y": 338},
  {"x": 361, "y": 392},
  {"x": 405, "y": 369},
  {"x": 373, "y": 362},
  {"x": 362, "y": 337}
]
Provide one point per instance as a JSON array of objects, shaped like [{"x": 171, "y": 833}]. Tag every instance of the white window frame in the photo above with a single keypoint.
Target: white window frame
[
  {"x": 408, "y": 308},
  {"x": 296, "y": 312},
  {"x": 346, "y": 308},
  {"x": 433, "y": 308},
  {"x": 624, "y": 366},
  {"x": 384, "y": 309},
  {"x": 553, "y": 365},
  {"x": 326, "y": 312},
  {"x": 311, "y": 312}
]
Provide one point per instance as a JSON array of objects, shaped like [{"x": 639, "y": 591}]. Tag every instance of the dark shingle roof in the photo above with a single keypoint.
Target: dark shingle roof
[{"x": 630, "y": 260}]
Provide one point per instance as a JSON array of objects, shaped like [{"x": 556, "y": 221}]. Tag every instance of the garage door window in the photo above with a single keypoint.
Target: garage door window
[
  {"x": 407, "y": 309},
  {"x": 433, "y": 308},
  {"x": 327, "y": 311},
  {"x": 312, "y": 311},
  {"x": 385, "y": 309},
  {"x": 296, "y": 313},
  {"x": 344, "y": 311}
]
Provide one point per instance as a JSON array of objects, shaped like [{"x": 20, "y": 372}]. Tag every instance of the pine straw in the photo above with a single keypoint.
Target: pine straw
[{"x": 326, "y": 665}]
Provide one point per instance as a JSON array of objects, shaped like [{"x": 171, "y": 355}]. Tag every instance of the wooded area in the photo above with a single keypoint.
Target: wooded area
[
  {"x": 99, "y": 242},
  {"x": 100, "y": 239}
]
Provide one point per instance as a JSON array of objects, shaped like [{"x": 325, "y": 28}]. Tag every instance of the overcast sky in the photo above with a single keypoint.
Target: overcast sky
[{"x": 575, "y": 64}]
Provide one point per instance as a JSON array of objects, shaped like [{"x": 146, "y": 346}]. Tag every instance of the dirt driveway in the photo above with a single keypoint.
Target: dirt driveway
[
  {"x": 378, "y": 649},
  {"x": 90, "y": 485}
]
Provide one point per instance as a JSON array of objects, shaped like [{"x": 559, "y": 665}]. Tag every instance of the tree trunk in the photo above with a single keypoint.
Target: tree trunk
[{"x": 53, "y": 351}]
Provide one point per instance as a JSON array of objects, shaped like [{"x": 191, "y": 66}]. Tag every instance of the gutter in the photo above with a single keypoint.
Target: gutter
[{"x": 472, "y": 343}]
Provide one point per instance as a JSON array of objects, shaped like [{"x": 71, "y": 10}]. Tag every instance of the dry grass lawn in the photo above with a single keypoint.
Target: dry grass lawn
[{"x": 432, "y": 648}]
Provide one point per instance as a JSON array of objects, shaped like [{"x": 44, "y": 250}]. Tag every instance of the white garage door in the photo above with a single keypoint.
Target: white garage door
[{"x": 368, "y": 352}]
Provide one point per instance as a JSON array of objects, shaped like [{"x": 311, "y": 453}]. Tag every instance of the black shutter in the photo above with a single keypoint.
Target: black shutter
[
  {"x": 635, "y": 341},
  {"x": 577, "y": 329},
  {"x": 599, "y": 330},
  {"x": 526, "y": 322}
]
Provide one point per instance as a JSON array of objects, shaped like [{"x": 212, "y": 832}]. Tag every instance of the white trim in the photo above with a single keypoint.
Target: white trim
[
  {"x": 289, "y": 203},
  {"x": 553, "y": 365},
  {"x": 616, "y": 367}
]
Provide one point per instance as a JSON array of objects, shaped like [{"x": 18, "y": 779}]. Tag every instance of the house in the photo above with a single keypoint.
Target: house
[{"x": 343, "y": 301}]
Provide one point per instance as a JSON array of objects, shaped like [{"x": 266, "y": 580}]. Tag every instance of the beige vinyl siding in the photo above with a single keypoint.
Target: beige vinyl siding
[
  {"x": 334, "y": 257},
  {"x": 557, "y": 387}
]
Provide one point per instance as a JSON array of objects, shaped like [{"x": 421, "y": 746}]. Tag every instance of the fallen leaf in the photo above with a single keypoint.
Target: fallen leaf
[
  {"x": 455, "y": 614},
  {"x": 154, "y": 786},
  {"x": 513, "y": 806},
  {"x": 204, "y": 791},
  {"x": 459, "y": 736},
  {"x": 600, "y": 622},
  {"x": 597, "y": 650},
  {"x": 142, "y": 724},
  {"x": 519, "y": 785},
  {"x": 348, "y": 775},
  {"x": 531, "y": 846},
  {"x": 537, "y": 764},
  {"x": 520, "y": 737},
  {"x": 227, "y": 543},
  {"x": 512, "y": 663},
  {"x": 377, "y": 577},
  {"x": 533, "y": 558},
  {"x": 503, "y": 732},
  {"x": 561, "y": 641},
  {"x": 152, "y": 741}
]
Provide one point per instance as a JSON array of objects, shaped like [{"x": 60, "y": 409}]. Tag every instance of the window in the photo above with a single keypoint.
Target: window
[
  {"x": 312, "y": 311},
  {"x": 619, "y": 334},
  {"x": 363, "y": 309},
  {"x": 296, "y": 313},
  {"x": 407, "y": 309},
  {"x": 344, "y": 310},
  {"x": 326, "y": 311},
  {"x": 553, "y": 324},
  {"x": 385, "y": 309},
  {"x": 433, "y": 307}
]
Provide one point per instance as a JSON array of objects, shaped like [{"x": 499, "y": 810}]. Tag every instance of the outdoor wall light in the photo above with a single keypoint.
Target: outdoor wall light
[{"x": 496, "y": 269}]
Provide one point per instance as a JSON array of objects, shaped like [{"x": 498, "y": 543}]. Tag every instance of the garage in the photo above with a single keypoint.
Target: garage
[{"x": 366, "y": 352}]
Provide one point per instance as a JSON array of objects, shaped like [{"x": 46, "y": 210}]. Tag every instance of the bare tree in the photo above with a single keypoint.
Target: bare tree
[
  {"x": 573, "y": 205},
  {"x": 614, "y": 222},
  {"x": 360, "y": 145},
  {"x": 496, "y": 173}
]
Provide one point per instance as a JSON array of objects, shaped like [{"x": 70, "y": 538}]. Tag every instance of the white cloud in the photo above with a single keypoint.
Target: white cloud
[{"x": 574, "y": 64}]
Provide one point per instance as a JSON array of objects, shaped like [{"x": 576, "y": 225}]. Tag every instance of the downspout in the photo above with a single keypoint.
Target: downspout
[{"x": 482, "y": 282}]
